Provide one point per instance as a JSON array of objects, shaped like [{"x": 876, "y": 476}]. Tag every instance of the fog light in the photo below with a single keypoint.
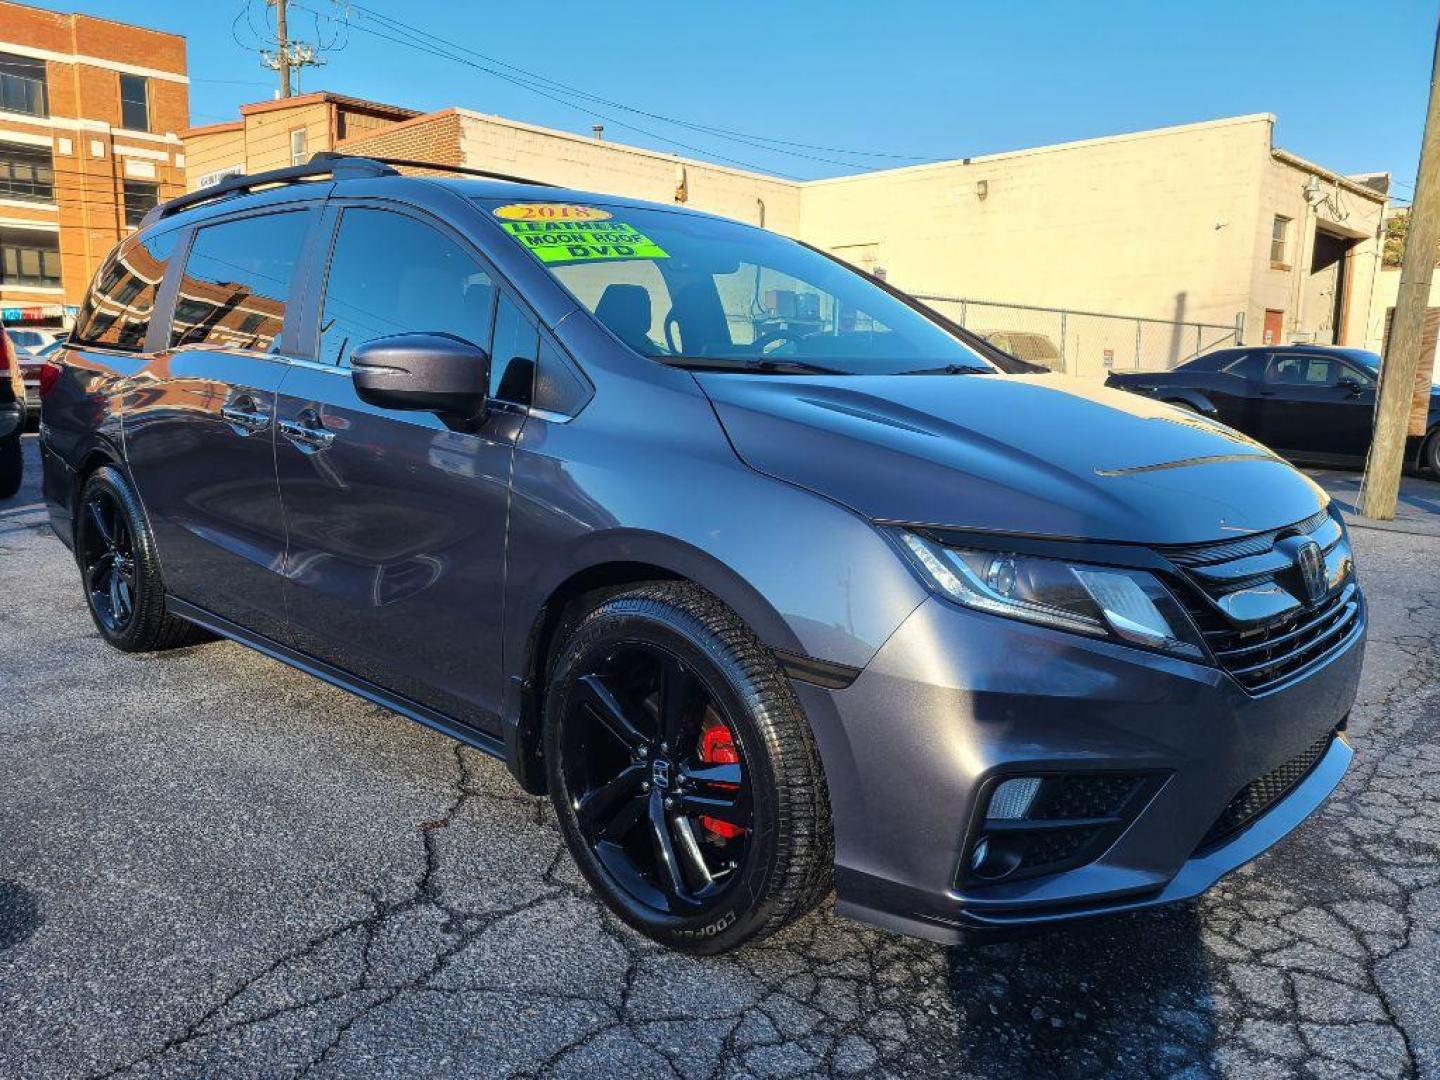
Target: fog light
[
  {"x": 1012, "y": 800},
  {"x": 996, "y": 857}
]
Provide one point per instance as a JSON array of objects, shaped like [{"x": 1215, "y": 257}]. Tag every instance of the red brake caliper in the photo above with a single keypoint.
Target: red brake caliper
[{"x": 717, "y": 747}]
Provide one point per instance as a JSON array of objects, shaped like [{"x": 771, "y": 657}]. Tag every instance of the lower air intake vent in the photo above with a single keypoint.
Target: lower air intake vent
[{"x": 1259, "y": 795}]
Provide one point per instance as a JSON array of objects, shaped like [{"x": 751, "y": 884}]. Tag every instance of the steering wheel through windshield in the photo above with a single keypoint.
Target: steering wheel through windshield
[{"x": 762, "y": 344}]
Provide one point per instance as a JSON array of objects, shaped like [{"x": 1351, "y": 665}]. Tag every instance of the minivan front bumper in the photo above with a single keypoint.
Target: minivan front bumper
[{"x": 957, "y": 699}]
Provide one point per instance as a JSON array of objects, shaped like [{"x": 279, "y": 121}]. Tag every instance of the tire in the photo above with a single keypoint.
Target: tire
[
  {"x": 742, "y": 750},
  {"x": 12, "y": 465},
  {"x": 1430, "y": 454},
  {"x": 119, "y": 569}
]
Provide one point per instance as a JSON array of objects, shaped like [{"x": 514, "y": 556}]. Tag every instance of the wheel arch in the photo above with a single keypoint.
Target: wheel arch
[
  {"x": 101, "y": 452},
  {"x": 1430, "y": 439},
  {"x": 1188, "y": 398},
  {"x": 605, "y": 565}
]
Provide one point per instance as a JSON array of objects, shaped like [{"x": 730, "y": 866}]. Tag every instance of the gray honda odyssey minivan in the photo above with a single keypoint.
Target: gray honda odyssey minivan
[{"x": 775, "y": 581}]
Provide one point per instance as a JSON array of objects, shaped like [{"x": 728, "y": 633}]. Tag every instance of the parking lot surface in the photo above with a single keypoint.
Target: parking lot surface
[{"x": 210, "y": 863}]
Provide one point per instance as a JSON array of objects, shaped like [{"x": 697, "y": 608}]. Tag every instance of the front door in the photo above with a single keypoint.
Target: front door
[
  {"x": 1316, "y": 405},
  {"x": 199, "y": 420},
  {"x": 396, "y": 519},
  {"x": 1232, "y": 388}
]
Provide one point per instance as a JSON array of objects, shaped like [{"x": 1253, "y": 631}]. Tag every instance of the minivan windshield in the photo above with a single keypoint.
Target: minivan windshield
[{"x": 705, "y": 292}]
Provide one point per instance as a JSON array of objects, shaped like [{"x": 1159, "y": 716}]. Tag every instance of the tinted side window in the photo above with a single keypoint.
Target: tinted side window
[
  {"x": 559, "y": 387},
  {"x": 1303, "y": 370},
  {"x": 1360, "y": 375},
  {"x": 391, "y": 274},
  {"x": 512, "y": 357},
  {"x": 1247, "y": 366},
  {"x": 237, "y": 282},
  {"x": 116, "y": 313}
]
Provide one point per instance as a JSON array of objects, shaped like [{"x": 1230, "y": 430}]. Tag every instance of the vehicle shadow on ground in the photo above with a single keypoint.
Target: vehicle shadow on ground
[{"x": 1125, "y": 996}]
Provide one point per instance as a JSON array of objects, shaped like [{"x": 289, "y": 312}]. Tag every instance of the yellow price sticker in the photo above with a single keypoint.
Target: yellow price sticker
[{"x": 551, "y": 212}]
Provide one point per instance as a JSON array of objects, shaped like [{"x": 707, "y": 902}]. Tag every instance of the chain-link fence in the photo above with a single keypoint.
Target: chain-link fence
[{"x": 1085, "y": 342}]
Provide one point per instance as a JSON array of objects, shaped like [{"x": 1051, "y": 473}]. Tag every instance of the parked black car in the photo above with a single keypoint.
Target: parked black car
[
  {"x": 765, "y": 573},
  {"x": 1313, "y": 403},
  {"x": 12, "y": 418}
]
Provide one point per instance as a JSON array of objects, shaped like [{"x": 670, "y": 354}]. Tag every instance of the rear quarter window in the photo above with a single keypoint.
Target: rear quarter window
[{"x": 116, "y": 313}]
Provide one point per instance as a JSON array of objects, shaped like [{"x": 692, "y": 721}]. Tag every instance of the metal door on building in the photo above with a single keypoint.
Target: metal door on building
[{"x": 1274, "y": 327}]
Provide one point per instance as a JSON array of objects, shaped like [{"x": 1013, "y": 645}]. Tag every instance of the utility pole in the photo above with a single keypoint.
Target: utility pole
[
  {"x": 1400, "y": 370},
  {"x": 282, "y": 47}
]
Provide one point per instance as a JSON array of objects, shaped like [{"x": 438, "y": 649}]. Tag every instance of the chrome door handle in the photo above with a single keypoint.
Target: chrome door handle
[
  {"x": 245, "y": 417},
  {"x": 306, "y": 432}
]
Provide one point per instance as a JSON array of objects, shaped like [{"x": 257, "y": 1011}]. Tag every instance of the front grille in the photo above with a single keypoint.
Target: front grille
[
  {"x": 1262, "y": 659},
  {"x": 1259, "y": 795},
  {"x": 1288, "y": 635},
  {"x": 1223, "y": 551}
]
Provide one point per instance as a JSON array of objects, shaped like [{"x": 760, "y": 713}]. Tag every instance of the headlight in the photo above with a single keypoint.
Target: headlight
[{"x": 1102, "y": 601}]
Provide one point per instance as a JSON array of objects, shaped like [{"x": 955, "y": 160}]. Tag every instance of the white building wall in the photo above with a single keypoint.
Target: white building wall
[
  {"x": 490, "y": 142},
  {"x": 1160, "y": 223}
]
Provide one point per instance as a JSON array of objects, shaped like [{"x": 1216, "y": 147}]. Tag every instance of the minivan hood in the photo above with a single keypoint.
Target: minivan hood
[{"x": 1039, "y": 455}]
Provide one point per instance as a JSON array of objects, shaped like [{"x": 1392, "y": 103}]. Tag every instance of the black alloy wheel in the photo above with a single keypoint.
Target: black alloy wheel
[
  {"x": 107, "y": 559},
  {"x": 668, "y": 820},
  {"x": 121, "y": 573},
  {"x": 683, "y": 771}
]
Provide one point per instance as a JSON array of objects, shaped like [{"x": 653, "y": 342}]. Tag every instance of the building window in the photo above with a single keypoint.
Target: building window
[
  {"x": 299, "y": 147},
  {"x": 135, "y": 102},
  {"x": 29, "y": 257},
  {"x": 22, "y": 85},
  {"x": 26, "y": 172},
  {"x": 1280, "y": 242},
  {"x": 140, "y": 198}
]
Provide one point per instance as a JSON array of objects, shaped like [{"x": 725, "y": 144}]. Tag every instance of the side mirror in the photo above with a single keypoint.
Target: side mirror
[
  {"x": 438, "y": 373},
  {"x": 1351, "y": 385}
]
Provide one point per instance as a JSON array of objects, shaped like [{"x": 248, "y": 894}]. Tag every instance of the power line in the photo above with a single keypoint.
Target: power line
[
  {"x": 552, "y": 90},
  {"x": 231, "y": 82},
  {"x": 747, "y": 137},
  {"x": 602, "y": 116}
]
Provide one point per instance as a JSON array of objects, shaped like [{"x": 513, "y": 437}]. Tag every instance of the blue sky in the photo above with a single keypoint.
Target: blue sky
[{"x": 924, "y": 79}]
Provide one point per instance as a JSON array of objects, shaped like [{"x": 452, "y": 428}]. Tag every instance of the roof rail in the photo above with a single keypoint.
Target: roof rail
[
  {"x": 489, "y": 174},
  {"x": 338, "y": 166}
]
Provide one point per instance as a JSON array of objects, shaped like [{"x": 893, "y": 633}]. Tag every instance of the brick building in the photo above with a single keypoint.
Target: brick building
[{"x": 90, "y": 112}]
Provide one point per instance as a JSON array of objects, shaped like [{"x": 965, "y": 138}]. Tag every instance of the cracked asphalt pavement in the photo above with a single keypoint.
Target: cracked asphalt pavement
[{"x": 212, "y": 864}]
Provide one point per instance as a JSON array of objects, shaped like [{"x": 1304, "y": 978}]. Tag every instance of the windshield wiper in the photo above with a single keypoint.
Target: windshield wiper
[
  {"x": 776, "y": 365},
  {"x": 948, "y": 369}
]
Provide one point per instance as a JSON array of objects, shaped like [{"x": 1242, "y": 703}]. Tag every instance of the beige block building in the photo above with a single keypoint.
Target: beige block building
[
  {"x": 475, "y": 140},
  {"x": 274, "y": 134},
  {"x": 1200, "y": 223},
  {"x": 1206, "y": 222}
]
